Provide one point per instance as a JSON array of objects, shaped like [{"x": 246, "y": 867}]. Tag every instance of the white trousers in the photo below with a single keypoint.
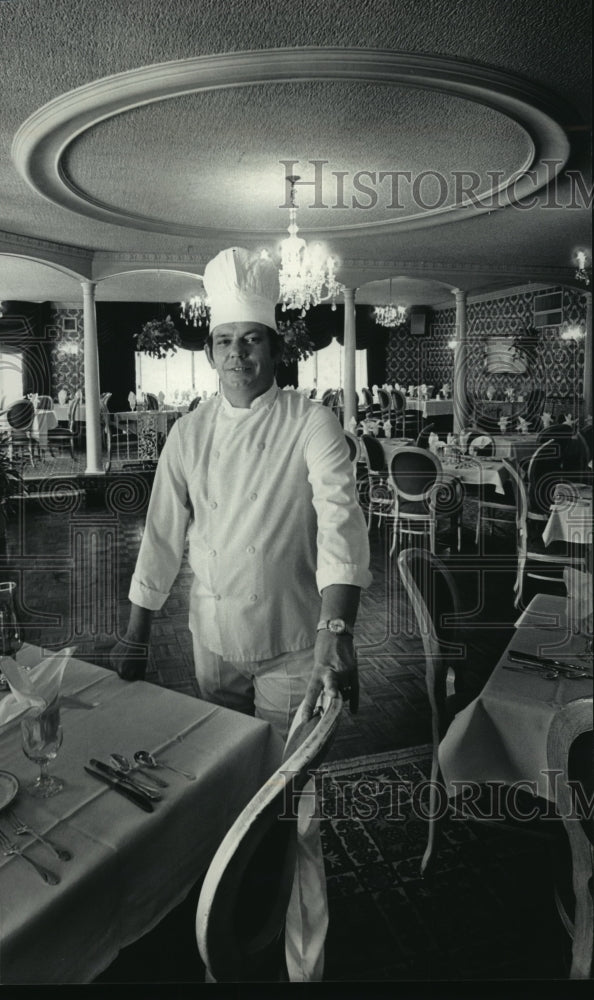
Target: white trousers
[{"x": 273, "y": 690}]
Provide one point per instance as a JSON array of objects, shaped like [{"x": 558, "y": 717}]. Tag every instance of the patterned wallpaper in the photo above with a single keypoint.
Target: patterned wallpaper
[
  {"x": 559, "y": 364},
  {"x": 67, "y": 352}
]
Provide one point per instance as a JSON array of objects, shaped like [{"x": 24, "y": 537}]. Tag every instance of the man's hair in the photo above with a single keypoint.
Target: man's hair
[{"x": 274, "y": 339}]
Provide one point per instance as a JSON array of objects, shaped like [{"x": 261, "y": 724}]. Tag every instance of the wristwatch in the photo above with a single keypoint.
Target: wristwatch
[{"x": 336, "y": 625}]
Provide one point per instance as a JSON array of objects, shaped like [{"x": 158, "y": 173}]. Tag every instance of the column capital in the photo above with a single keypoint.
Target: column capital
[
  {"x": 459, "y": 293},
  {"x": 88, "y": 286},
  {"x": 349, "y": 294}
]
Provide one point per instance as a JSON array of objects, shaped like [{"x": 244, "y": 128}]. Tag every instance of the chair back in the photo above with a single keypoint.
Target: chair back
[
  {"x": 373, "y": 453},
  {"x": 367, "y": 399},
  {"x": 385, "y": 402},
  {"x": 244, "y": 898},
  {"x": 422, "y": 440},
  {"x": 20, "y": 415},
  {"x": 543, "y": 474},
  {"x": 354, "y": 444},
  {"x": 73, "y": 411},
  {"x": 569, "y": 755},
  {"x": 486, "y": 449},
  {"x": 194, "y": 403},
  {"x": 436, "y": 605},
  {"x": 414, "y": 473},
  {"x": 152, "y": 403},
  {"x": 313, "y": 393},
  {"x": 327, "y": 397},
  {"x": 514, "y": 485},
  {"x": 398, "y": 399},
  {"x": 45, "y": 403}
]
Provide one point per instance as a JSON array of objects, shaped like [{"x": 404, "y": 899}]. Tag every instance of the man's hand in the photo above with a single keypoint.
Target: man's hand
[
  {"x": 129, "y": 659},
  {"x": 335, "y": 669}
]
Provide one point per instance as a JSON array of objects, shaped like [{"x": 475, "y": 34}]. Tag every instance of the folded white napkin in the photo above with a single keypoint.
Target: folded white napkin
[
  {"x": 33, "y": 688},
  {"x": 480, "y": 442}
]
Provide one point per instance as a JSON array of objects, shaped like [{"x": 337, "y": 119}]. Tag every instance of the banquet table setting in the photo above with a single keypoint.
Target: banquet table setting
[{"x": 126, "y": 857}]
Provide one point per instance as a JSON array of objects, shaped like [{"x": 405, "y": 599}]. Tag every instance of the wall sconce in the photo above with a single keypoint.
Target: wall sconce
[
  {"x": 68, "y": 347},
  {"x": 572, "y": 331},
  {"x": 582, "y": 260},
  {"x": 452, "y": 344}
]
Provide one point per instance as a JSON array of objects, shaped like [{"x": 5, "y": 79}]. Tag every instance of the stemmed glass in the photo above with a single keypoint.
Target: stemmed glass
[{"x": 41, "y": 734}]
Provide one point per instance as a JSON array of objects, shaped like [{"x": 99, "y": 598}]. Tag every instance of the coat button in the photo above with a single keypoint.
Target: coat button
[
  {"x": 253, "y": 496},
  {"x": 250, "y": 549},
  {"x": 217, "y": 597},
  {"x": 213, "y": 505},
  {"x": 261, "y": 446},
  {"x": 212, "y": 552},
  {"x": 253, "y": 598}
]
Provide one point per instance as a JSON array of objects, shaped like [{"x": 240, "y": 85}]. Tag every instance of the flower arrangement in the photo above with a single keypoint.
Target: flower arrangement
[
  {"x": 297, "y": 343},
  {"x": 158, "y": 338}
]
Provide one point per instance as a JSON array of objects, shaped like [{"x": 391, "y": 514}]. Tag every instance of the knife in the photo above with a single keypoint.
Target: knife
[
  {"x": 548, "y": 663},
  {"x": 126, "y": 779},
  {"x": 112, "y": 772},
  {"x": 136, "y": 796}
]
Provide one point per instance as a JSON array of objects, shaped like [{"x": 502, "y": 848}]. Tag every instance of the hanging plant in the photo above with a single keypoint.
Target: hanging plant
[
  {"x": 158, "y": 338},
  {"x": 525, "y": 344},
  {"x": 298, "y": 345}
]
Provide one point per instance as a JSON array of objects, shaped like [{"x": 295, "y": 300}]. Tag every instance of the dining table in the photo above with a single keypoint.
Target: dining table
[
  {"x": 62, "y": 412},
  {"x": 430, "y": 407},
  {"x": 516, "y": 446},
  {"x": 501, "y": 736},
  {"x": 128, "y": 867},
  {"x": 474, "y": 470},
  {"x": 570, "y": 518}
]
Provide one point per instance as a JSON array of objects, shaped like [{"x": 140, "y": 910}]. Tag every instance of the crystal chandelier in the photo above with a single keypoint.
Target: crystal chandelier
[
  {"x": 581, "y": 273},
  {"x": 390, "y": 315},
  {"x": 194, "y": 311},
  {"x": 306, "y": 277}
]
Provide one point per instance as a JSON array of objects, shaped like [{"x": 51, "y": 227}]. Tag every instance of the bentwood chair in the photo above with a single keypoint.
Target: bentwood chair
[
  {"x": 569, "y": 753},
  {"x": 354, "y": 446},
  {"x": 437, "y": 606},
  {"x": 64, "y": 437},
  {"x": 243, "y": 903},
  {"x": 536, "y": 560},
  {"x": 422, "y": 496},
  {"x": 375, "y": 495},
  {"x": 20, "y": 416},
  {"x": 194, "y": 403},
  {"x": 152, "y": 403},
  {"x": 405, "y": 421}
]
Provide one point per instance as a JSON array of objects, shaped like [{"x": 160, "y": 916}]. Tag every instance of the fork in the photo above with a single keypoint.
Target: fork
[
  {"x": 20, "y": 828},
  {"x": 7, "y": 848}
]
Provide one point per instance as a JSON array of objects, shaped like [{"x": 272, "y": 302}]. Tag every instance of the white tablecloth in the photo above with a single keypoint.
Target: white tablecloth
[
  {"x": 570, "y": 520},
  {"x": 61, "y": 411},
  {"x": 129, "y": 867},
  {"x": 478, "y": 472},
  {"x": 516, "y": 446},
  {"x": 44, "y": 421},
  {"x": 431, "y": 407},
  {"x": 502, "y": 735}
]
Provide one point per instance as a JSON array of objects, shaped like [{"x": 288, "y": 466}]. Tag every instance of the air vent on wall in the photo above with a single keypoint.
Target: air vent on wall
[{"x": 548, "y": 309}]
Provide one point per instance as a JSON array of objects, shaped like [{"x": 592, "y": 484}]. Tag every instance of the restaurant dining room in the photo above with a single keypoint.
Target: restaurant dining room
[{"x": 296, "y": 496}]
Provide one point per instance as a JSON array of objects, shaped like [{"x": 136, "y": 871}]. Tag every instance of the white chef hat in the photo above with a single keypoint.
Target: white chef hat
[{"x": 242, "y": 286}]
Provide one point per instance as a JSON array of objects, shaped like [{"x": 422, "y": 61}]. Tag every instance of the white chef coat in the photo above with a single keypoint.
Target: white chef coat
[{"x": 267, "y": 497}]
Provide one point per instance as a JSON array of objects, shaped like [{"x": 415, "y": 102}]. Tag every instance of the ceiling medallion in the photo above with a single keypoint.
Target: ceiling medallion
[
  {"x": 306, "y": 278},
  {"x": 390, "y": 315}
]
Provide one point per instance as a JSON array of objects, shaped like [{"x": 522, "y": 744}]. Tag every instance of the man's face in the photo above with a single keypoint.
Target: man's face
[{"x": 242, "y": 356}]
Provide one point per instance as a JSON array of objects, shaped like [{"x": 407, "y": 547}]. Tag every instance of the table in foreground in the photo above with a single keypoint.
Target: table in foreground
[
  {"x": 502, "y": 735},
  {"x": 129, "y": 868}
]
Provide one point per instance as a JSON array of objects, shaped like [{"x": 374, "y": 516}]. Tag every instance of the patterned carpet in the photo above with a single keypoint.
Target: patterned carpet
[{"x": 487, "y": 913}]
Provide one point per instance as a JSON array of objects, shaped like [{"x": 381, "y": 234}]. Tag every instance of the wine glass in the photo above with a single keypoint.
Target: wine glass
[{"x": 41, "y": 734}]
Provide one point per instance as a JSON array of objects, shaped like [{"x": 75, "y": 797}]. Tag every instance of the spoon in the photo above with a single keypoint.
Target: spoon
[
  {"x": 146, "y": 758},
  {"x": 129, "y": 772},
  {"x": 123, "y": 764}
]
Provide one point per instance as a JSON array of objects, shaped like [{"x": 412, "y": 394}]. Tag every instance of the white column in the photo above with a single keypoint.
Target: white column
[
  {"x": 93, "y": 420},
  {"x": 588, "y": 358},
  {"x": 460, "y": 363},
  {"x": 350, "y": 357}
]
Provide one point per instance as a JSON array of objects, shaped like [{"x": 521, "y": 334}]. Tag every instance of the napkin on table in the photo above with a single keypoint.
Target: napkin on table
[{"x": 34, "y": 688}]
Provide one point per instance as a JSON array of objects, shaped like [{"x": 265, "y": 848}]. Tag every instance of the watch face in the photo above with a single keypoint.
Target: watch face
[{"x": 337, "y": 625}]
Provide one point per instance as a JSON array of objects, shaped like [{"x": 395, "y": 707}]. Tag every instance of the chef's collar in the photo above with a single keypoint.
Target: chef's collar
[{"x": 266, "y": 399}]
